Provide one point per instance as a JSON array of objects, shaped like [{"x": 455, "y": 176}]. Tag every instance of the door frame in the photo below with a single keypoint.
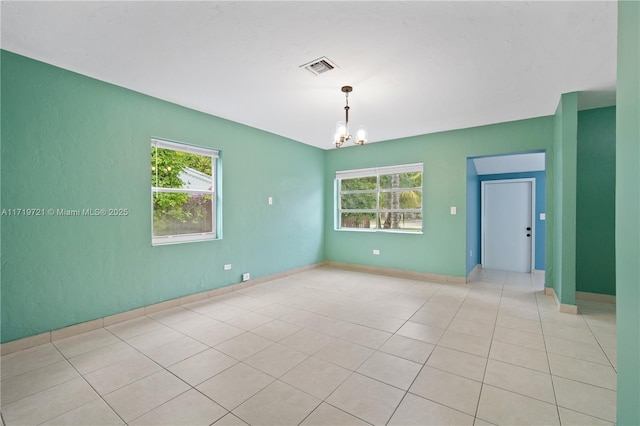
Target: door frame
[{"x": 533, "y": 216}]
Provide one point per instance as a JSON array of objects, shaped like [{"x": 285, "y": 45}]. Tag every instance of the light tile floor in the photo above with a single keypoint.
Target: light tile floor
[{"x": 332, "y": 347}]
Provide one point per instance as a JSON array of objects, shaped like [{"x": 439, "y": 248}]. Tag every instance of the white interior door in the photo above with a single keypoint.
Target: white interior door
[{"x": 507, "y": 226}]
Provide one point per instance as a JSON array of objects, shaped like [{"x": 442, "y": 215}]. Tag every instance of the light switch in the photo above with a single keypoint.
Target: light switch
[
  {"x": 270, "y": 201},
  {"x": 543, "y": 216},
  {"x": 453, "y": 209}
]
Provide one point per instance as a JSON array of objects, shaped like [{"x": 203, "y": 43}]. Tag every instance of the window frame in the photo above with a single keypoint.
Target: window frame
[
  {"x": 215, "y": 234},
  {"x": 376, "y": 172}
]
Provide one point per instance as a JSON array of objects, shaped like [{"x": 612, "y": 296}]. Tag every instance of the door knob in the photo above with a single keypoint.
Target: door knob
[
  {"x": 528, "y": 235},
  {"x": 528, "y": 228}
]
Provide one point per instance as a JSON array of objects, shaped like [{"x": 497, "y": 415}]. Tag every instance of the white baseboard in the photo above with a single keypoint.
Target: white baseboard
[
  {"x": 400, "y": 273},
  {"x": 596, "y": 297},
  {"x": 72, "y": 330},
  {"x": 53, "y": 335},
  {"x": 562, "y": 307},
  {"x": 474, "y": 274}
]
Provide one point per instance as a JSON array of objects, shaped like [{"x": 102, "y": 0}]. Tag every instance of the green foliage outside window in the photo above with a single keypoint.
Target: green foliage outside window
[
  {"x": 175, "y": 212},
  {"x": 386, "y": 195}
]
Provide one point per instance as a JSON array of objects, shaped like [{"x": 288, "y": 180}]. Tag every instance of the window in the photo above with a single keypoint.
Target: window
[
  {"x": 183, "y": 192},
  {"x": 383, "y": 198}
]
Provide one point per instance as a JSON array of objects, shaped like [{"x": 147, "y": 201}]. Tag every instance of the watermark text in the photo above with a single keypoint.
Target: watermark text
[{"x": 62, "y": 212}]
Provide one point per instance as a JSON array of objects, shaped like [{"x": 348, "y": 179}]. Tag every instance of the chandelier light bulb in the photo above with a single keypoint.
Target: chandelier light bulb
[
  {"x": 361, "y": 136},
  {"x": 341, "y": 129}
]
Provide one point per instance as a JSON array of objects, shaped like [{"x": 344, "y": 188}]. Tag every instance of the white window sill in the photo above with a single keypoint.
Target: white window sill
[
  {"x": 383, "y": 231},
  {"x": 181, "y": 239}
]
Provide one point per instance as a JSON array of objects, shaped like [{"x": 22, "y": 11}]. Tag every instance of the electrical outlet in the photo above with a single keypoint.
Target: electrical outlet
[
  {"x": 270, "y": 201},
  {"x": 227, "y": 267},
  {"x": 376, "y": 251},
  {"x": 246, "y": 276},
  {"x": 470, "y": 253}
]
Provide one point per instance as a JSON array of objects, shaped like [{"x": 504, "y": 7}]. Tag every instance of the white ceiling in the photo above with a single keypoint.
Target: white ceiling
[{"x": 417, "y": 67}]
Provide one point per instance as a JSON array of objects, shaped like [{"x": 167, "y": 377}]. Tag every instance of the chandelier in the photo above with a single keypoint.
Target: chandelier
[{"x": 342, "y": 127}]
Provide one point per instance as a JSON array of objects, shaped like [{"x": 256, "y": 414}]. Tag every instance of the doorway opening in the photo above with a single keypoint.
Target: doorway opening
[{"x": 512, "y": 167}]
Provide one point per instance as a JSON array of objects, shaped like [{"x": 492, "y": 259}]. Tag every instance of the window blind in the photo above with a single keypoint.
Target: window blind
[
  {"x": 191, "y": 149},
  {"x": 376, "y": 171}
]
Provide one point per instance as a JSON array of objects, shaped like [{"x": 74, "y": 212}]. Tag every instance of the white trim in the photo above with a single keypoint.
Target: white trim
[
  {"x": 562, "y": 307},
  {"x": 400, "y": 273},
  {"x": 596, "y": 297},
  {"x": 383, "y": 231},
  {"x": 474, "y": 275},
  {"x": 179, "y": 146},
  {"x": 159, "y": 240},
  {"x": 533, "y": 217},
  {"x": 375, "y": 171},
  {"x": 183, "y": 190}
]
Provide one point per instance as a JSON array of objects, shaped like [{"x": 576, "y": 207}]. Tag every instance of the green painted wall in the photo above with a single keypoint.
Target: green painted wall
[
  {"x": 69, "y": 141},
  {"x": 595, "y": 199},
  {"x": 628, "y": 212},
  {"x": 474, "y": 203},
  {"x": 441, "y": 249},
  {"x": 563, "y": 220}
]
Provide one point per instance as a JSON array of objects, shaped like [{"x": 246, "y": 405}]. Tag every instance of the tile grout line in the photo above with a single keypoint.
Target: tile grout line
[
  {"x": 377, "y": 350},
  {"x": 166, "y": 369},
  {"x": 406, "y": 392},
  {"x": 484, "y": 375},
  {"x": 141, "y": 378},
  {"x": 573, "y": 379},
  {"x": 435, "y": 345},
  {"x": 546, "y": 352},
  {"x": 89, "y": 384},
  {"x": 320, "y": 301},
  {"x": 599, "y": 344},
  {"x": 275, "y": 378}
]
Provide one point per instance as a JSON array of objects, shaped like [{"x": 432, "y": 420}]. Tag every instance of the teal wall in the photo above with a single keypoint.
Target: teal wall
[
  {"x": 69, "y": 141},
  {"x": 540, "y": 199},
  {"x": 628, "y": 213},
  {"x": 595, "y": 201},
  {"x": 473, "y": 217},
  {"x": 442, "y": 248},
  {"x": 562, "y": 222}
]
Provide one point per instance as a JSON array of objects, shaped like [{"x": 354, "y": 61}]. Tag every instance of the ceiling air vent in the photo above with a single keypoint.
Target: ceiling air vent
[{"x": 319, "y": 66}]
